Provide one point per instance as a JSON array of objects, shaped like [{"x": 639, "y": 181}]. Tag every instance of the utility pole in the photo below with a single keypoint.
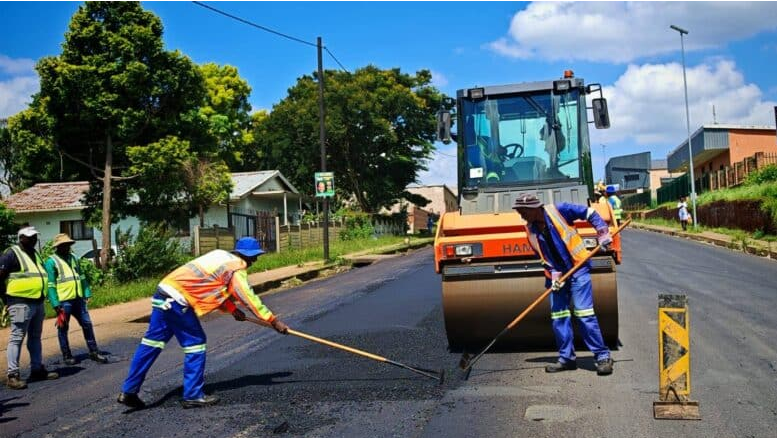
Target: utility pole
[
  {"x": 688, "y": 127},
  {"x": 322, "y": 139},
  {"x": 604, "y": 157}
]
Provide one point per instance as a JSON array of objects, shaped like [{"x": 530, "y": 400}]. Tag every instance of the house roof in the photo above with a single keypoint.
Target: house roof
[
  {"x": 60, "y": 196},
  {"x": 246, "y": 182},
  {"x": 49, "y": 197}
]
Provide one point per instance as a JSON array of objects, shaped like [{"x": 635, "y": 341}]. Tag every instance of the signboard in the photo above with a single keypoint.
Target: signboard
[{"x": 325, "y": 184}]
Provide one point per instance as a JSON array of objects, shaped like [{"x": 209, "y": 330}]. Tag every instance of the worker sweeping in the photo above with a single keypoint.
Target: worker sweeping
[
  {"x": 199, "y": 287},
  {"x": 560, "y": 247}
]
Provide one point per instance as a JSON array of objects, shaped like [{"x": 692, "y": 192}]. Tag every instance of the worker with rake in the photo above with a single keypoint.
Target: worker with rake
[
  {"x": 209, "y": 282},
  {"x": 559, "y": 246}
]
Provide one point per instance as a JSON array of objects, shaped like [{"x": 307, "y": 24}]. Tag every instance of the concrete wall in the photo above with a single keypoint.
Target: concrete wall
[
  {"x": 443, "y": 200},
  {"x": 745, "y": 143},
  {"x": 48, "y": 224},
  {"x": 655, "y": 180}
]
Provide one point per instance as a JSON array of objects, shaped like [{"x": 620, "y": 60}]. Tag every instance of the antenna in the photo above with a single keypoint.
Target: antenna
[{"x": 714, "y": 116}]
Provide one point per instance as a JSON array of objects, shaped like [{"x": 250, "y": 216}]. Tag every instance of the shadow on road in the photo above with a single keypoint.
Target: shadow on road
[{"x": 5, "y": 406}]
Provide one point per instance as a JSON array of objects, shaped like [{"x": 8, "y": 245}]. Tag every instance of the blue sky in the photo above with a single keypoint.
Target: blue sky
[{"x": 731, "y": 54}]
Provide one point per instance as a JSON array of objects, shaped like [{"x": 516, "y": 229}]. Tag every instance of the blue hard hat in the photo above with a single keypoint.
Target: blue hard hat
[
  {"x": 248, "y": 246},
  {"x": 610, "y": 190}
]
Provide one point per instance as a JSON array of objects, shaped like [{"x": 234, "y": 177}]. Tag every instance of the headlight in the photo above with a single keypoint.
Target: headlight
[
  {"x": 590, "y": 242},
  {"x": 463, "y": 250}
]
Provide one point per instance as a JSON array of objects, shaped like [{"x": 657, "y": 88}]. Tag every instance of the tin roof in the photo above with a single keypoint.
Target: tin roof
[{"x": 49, "y": 197}]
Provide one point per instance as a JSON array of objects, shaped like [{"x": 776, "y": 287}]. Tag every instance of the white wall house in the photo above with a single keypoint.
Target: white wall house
[{"x": 56, "y": 208}]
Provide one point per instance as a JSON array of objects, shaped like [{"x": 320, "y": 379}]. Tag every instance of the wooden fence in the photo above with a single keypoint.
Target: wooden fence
[
  {"x": 732, "y": 176},
  {"x": 208, "y": 239},
  {"x": 305, "y": 235}
]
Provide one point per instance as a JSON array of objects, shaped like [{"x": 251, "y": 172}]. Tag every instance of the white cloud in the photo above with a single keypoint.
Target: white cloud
[
  {"x": 647, "y": 103},
  {"x": 438, "y": 79},
  {"x": 15, "y": 94},
  {"x": 16, "y": 66},
  {"x": 623, "y": 32}
]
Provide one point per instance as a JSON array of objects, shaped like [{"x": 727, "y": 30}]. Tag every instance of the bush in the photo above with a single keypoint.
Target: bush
[
  {"x": 760, "y": 176},
  {"x": 358, "y": 225},
  {"x": 154, "y": 251}
]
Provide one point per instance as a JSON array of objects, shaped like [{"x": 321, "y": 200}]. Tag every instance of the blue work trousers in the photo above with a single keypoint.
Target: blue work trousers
[
  {"x": 576, "y": 298},
  {"x": 77, "y": 308},
  {"x": 183, "y": 323}
]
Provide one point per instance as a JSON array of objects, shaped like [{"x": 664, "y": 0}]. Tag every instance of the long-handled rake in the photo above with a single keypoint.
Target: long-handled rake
[
  {"x": 467, "y": 362},
  {"x": 437, "y": 375}
]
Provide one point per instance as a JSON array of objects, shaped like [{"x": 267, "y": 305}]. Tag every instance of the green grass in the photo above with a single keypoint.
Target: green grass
[{"x": 734, "y": 233}]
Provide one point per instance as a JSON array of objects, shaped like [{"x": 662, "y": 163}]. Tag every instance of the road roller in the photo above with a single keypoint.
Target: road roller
[{"x": 526, "y": 138}]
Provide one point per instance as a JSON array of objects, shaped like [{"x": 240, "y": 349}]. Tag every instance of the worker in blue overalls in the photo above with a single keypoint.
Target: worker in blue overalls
[{"x": 560, "y": 247}]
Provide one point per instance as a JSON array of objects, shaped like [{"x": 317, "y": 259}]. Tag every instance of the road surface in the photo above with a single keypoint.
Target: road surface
[{"x": 271, "y": 385}]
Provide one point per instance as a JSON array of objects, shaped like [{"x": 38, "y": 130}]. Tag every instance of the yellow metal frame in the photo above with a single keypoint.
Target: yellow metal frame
[{"x": 670, "y": 373}]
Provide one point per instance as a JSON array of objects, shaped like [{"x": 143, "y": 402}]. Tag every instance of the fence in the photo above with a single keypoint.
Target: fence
[
  {"x": 680, "y": 186},
  {"x": 732, "y": 176},
  {"x": 306, "y": 235},
  {"x": 637, "y": 201},
  {"x": 208, "y": 239}
]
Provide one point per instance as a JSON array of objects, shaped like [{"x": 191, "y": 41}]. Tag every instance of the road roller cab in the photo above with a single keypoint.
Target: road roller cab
[{"x": 517, "y": 139}]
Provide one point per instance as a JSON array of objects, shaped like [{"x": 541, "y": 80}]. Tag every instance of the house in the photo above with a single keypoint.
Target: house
[
  {"x": 716, "y": 147},
  {"x": 636, "y": 172},
  {"x": 442, "y": 200},
  {"x": 56, "y": 208}
]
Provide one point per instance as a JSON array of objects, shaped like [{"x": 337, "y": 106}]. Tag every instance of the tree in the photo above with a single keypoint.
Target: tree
[
  {"x": 380, "y": 127},
  {"x": 113, "y": 87},
  {"x": 7, "y": 227}
]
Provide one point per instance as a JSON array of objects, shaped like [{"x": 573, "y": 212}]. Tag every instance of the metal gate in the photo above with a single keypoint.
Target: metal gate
[{"x": 259, "y": 225}]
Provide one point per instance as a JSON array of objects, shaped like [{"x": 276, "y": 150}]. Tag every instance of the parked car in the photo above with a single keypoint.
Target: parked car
[{"x": 92, "y": 255}]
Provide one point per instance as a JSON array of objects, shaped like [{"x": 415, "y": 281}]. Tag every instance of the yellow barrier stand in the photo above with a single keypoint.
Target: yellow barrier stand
[{"x": 674, "y": 361}]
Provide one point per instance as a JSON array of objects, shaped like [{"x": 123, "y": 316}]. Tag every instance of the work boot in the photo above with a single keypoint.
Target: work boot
[
  {"x": 97, "y": 357},
  {"x": 68, "y": 359},
  {"x": 42, "y": 374},
  {"x": 561, "y": 366},
  {"x": 131, "y": 400},
  {"x": 208, "y": 400},
  {"x": 15, "y": 381},
  {"x": 604, "y": 366}
]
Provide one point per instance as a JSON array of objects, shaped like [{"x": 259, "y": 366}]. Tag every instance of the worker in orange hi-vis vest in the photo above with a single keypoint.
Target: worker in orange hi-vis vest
[{"x": 209, "y": 282}]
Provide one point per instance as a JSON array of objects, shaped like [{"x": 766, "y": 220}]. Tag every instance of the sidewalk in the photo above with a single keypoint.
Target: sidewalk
[
  {"x": 751, "y": 246},
  {"x": 122, "y": 320}
]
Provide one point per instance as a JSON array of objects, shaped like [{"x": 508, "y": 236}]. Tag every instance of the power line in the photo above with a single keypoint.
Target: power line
[
  {"x": 258, "y": 26},
  {"x": 267, "y": 29},
  {"x": 338, "y": 62}
]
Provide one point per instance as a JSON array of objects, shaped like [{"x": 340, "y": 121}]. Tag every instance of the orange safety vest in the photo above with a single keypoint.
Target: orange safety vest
[
  {"x": 208, "y": 281},
  {"x": 569, "y": 235}
]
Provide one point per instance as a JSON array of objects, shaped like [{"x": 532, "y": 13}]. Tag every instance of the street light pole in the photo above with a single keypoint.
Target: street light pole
[
  {"x": 688, "y": 126},
  {"x": 604, "y": 157}
]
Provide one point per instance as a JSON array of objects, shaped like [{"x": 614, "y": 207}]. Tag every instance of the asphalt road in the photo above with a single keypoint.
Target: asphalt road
[{"x": 273, "y": 385}]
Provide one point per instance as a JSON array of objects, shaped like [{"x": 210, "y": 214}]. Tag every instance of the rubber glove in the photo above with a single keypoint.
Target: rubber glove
[
  {"x": 279, "y": 326},
  {"x": 604, "y": 238},
  {"x": 555, "y": 277}
]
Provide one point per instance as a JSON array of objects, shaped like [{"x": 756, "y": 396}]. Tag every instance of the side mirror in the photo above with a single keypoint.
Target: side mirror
[
  {"x": 444, "y": 126},
  {"x": 601, "y": 115}
]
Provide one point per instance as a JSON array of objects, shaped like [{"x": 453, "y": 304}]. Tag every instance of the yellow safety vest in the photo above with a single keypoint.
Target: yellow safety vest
[
  {"x": 31, "y": 280},
  {"x": 569, "y": 235},
  {"x": 69, "y": 284},
  {"x": 617, "y": 211}
]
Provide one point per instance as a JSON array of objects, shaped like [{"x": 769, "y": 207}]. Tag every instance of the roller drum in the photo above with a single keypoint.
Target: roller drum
[{"x": 476, "y": 309}]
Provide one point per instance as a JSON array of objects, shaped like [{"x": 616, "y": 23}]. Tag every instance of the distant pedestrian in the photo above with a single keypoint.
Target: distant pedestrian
[
  {"x": 69, "y": 293},
  {"x": 209, "y": 282},
  {"x": 682, "y": 213},
  {"x": 23, "y": 290}
]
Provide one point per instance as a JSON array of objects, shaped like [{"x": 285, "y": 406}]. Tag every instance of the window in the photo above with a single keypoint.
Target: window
[
  {"x": 77, "y": 230},
  {"x": 632, "y": 177}
]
